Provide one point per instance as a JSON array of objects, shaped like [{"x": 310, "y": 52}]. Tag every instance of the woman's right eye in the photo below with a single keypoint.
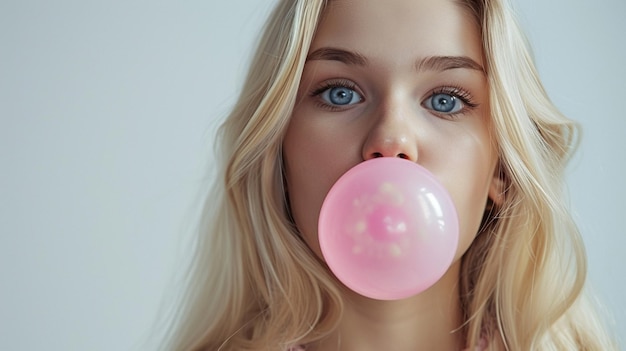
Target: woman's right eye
[{"x": 339, "y": 95}]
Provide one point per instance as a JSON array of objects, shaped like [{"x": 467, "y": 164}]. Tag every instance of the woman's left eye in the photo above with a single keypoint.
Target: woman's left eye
[
  {"x": 340, "y": 96},
  {"x": 444, "y": 103}
]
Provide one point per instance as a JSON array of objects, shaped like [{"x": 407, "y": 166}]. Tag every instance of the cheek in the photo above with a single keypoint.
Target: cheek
[
  {"x": 312, "y": 165},
  {"x": 305, "y": 200},
  {"x": 469, "y": 190},
  {"x": 470, "y": 210}
]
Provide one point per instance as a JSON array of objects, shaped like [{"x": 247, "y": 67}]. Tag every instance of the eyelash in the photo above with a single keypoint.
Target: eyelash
[
  {"x": 462, "y": 94},
  {"x": 329, "y": 85}
]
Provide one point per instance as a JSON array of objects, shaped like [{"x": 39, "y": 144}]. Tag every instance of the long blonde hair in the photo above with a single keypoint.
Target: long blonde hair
[{"x": 255, "y": 285}]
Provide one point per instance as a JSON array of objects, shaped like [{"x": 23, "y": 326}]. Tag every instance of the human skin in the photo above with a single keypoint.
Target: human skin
[{"x": 396, "y": 78}]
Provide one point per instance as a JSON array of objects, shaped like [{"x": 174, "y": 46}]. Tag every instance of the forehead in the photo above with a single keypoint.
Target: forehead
[{"x": 400, "y": 27}]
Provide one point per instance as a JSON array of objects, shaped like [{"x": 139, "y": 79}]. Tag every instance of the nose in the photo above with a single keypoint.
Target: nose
[{"x": 391, "y": 136}]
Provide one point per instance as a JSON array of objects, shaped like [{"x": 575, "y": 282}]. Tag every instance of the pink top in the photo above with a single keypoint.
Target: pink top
[{"x": 482, "y": 346}]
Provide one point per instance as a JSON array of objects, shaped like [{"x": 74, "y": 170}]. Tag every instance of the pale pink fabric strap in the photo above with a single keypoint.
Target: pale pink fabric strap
[
  {"x": 477, "y": 348},
  {"x": 482, "y": 346}
]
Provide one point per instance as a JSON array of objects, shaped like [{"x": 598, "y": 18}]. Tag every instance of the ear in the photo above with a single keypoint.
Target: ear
[{"x": 497, "y": 187}]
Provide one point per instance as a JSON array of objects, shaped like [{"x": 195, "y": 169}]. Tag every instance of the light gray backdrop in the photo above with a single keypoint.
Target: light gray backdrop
[{"x": 107, "y": 111}]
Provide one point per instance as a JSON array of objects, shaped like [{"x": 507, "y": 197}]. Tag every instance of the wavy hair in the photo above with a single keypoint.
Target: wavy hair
[{"x": 253, "y": 284}]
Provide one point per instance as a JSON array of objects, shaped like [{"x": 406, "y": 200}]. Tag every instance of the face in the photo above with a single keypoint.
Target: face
[{"x": 394, "y": 78}]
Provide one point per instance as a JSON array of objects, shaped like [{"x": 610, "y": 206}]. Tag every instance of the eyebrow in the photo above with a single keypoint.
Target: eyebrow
[
  {"x": 335, "y": 54},
  {"x": 443, "y": 63},
  {"x": 432, "y": 63}
]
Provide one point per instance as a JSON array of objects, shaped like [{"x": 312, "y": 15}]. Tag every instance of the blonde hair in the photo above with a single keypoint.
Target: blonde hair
[{"x": 255, "y": 285}]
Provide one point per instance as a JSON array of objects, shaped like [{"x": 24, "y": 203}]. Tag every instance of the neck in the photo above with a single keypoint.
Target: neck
[{"x": 428, "y": 321}]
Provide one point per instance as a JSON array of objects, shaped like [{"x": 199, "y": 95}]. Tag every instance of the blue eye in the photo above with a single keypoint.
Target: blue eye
[
  {"x": 444, "y": 103},
  {"x": 340, "y": 96}
]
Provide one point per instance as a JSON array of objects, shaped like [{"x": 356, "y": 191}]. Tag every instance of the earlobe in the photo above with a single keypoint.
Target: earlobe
[{"x": 497, "y": 187}]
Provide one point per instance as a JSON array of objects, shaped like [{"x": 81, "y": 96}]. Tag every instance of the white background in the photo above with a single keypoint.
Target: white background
[{"x": 107, "y": 111}]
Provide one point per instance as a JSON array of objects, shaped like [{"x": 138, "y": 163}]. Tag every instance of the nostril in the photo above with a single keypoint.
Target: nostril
[
  {"x": 404, "y": 156},
  {"x": 377, "y": 155}
]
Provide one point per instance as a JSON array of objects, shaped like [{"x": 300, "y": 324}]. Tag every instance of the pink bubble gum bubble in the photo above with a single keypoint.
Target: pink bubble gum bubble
[{"x": 388, "y": 229}]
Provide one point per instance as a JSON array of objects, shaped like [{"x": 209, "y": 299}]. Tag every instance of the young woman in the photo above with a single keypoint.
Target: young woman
[{"x": 447, "y": 84}]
